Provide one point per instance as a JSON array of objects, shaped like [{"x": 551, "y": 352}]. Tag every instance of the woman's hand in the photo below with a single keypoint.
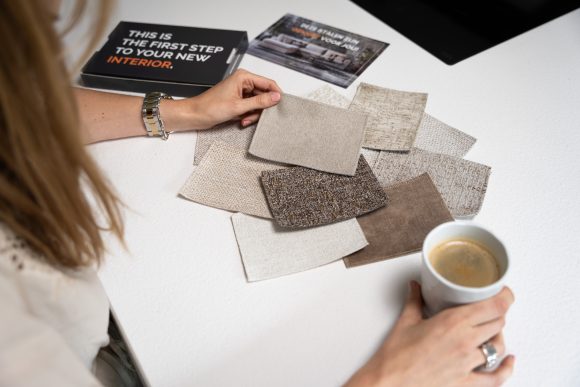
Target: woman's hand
[
  {"x": 241, "y": 96},
  {"x": 443, "y": 350}
]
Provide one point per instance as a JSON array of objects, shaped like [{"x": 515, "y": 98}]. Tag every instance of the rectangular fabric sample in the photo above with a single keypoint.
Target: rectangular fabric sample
[
  {"x": 462, "y": 183},
  {"x": 302, "y": 197},
  {"x": 229, "y": 178},
  {"x": 329, "y": 96},
  {"x": 228, "y": 132},
  {"x": 436, "y": 136},
  {"x": 394, "y": 116},
  {"x": 310, "y": 134},
  {"x": 415, "y": 208},
  {"x": 268, "y": 251}
]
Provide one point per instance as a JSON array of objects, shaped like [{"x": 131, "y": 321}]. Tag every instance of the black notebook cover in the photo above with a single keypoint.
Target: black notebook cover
[{"x": 180, "y": 61}]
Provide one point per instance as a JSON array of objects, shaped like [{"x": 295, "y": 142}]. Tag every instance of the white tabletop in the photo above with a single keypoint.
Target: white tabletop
[{"x": 181, "y": 296}]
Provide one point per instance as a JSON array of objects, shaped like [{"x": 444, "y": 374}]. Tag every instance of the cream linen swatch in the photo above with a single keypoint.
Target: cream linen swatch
[
  {"x": 229, "y": 178},
  {"x": 310, "y": 134},
  {"x": 462, "y": 183},
  {"x": 329, "y": 96},
  {"x": 229, "y": 132},
  {"x": 436, "y": 136},
  {"x": 394, "y": 116},
  {"x": 268, "y": 251}
]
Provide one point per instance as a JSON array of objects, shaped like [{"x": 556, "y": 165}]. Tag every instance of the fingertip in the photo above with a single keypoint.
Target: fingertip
[{"x": 275, "y": 96}]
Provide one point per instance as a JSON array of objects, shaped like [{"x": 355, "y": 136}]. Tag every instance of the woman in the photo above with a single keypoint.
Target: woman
[{"x": 55, "y": 204}]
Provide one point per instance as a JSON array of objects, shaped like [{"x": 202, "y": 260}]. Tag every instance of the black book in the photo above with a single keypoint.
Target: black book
[{"x": 177, "y": 60}]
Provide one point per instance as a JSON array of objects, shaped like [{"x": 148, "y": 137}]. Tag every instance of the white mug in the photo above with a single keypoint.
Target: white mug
[{"x": 440, "y": 293}]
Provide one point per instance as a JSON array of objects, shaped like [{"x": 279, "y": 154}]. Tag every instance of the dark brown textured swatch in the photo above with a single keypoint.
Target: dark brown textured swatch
[
  {"x": 415, "y": 208},
  {"x": 301, "y": 197}
]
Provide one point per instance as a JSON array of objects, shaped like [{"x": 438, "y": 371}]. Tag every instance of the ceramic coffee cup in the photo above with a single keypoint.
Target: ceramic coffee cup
[{"x": 440, "y": 293}]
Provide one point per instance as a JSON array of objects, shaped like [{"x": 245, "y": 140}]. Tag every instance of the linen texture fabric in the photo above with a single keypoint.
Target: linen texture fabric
[
  {"x": 462, "y": 183},
  {"x": 310, "y": 134},
  {"x": 329, "y": 96},
  {"x": 394, "y": 116},
  {"x": 415, "y": 208},
  {"x": 302, "y": 197},
  {"x": 229, "y": 178},
  {"x": 436, "y": 136},
  {"x": 228, "y": 132},
  {"x": 269, "y": 251}
]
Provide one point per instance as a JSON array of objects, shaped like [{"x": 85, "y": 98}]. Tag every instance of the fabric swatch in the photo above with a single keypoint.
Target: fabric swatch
[
  {"x": 436, "y": 136},
  {"x": 329, "y": 96},
  {"x": 228, "y": 132},
  {"x": 370, "y": 155},
  {"x": 268, "y": 251},
  {"x": 310, "y": 134},
  {"x": 302, "y": 197},
  {"x": 462, "y": 183},
  {"x": 229, "y": 178},
  {"x": 415, "y": 208},
  {"x": 394, "y": 116}
]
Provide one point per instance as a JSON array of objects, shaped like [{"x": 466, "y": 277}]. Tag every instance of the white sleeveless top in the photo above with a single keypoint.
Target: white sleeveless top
[{"x": 52, "y": 322}]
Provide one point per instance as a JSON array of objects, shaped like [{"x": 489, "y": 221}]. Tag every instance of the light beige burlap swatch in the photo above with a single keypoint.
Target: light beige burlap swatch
[
  {"x": 228, "y": 132},
  {"x": 436, "y": 136},
  {"x": 269, "y": 251},
  {"x": 329, "y": 96},
  {"x": 462, "y": 183},
  {"x": 229, "y": 178},
  {"x": 310, "y": 134},
  {"x": 394, "y": 116}
]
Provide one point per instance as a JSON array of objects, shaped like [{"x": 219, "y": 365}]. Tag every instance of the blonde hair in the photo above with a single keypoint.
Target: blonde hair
[{"x": 45, "y": 170}]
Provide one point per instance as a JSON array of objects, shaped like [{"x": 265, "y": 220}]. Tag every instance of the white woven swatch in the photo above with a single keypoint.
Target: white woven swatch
[
  {"x": 329, "y": 96},
  {"x": 269, "y": 251},
  {"x": 436, "y": 136},
  {"x": 229, "y": 178},
  {"x": 229, "y": 132}
]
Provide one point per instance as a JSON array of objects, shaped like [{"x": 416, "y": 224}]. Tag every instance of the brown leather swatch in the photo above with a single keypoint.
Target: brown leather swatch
[
  {"x": 415, "y": 208},
  {"x": 301, "y": 197}
]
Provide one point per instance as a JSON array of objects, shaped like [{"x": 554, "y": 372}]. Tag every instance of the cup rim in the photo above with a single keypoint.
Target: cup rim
[{"x": 452, "y": 285}]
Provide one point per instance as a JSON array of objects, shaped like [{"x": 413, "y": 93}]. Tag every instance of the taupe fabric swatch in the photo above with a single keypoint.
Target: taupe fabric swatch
[
  {"x": 229, "y": 178},
  {"x": 394, "y": 116},
  {"x": 415, "y": 208},
  {"x": 301, "y": 197},
  {"x": 462, "y": 183},
  {"x": 228, "y": 132},
  {"x": 436, "y": 136},
  {"x": 310, "y": 134},
  {"x": 268, "y": 251},
  {"x": 329, "y": 96}
]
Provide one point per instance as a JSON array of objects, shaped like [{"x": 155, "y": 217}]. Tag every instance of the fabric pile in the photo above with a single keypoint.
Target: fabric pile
[{"x": 322, "y": 178}]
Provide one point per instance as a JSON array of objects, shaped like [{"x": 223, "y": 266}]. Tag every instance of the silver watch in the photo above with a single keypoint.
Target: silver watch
[{"x": 151, "y": 117}]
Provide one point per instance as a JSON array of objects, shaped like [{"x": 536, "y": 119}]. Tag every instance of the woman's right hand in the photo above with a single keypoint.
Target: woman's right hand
[{"x": 443, "y": 350}]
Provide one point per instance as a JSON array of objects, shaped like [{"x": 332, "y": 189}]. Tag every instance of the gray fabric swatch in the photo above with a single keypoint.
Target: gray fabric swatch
[
  {"x": 329, "y": 96},
  {"x": 394, "y": 116},
  {"x": 436, "y": 136},
  {"x": 229, "y": 132},
  {"x": 462, "y": 183},
  {"x": 302, "y": 197},
  {"x": 268, "y": 251},
  {"x": 229, "y": 178},
  {"x": 310, "y": 134}
]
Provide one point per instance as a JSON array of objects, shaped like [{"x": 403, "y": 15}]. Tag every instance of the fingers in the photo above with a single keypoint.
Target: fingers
[
  {"x": 258, "y": 82},
  {"x": 259, "y": 102},
  {"x": 477, "y": 358},
  {"x": 488, "y": 330},
  {"x": 490, "y": 309},
  {"x": 250, "y": 119},
  {"x": 495, "y": 378},
  {"x": 412, "y": 313}
]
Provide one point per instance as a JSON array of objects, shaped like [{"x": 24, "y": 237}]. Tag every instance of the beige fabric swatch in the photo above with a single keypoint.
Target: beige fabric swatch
[
  {"x": 394, "y": 116},
  {"x": 310, "y": 134},
  {"x": 436, "y": 136},
  {"x": 229, "y": 178},
  {"x": 269, "y": 251},
  {"x": 415, "y": 208},
  {"x": 462, "y": 183},
  {"x": 329, "y": 96},
  {"x": 229, "y": 132}
]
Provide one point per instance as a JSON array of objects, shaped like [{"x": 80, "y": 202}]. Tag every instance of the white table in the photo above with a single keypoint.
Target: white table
[{"x": 181, "y": 296}]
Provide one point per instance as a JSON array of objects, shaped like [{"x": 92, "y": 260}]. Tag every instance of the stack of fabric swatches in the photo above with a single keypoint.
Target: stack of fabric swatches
[{"x": 322, "y": 178}]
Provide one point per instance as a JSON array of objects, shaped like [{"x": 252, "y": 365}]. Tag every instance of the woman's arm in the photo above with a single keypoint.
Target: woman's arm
[{"x": 243, "y": 95}]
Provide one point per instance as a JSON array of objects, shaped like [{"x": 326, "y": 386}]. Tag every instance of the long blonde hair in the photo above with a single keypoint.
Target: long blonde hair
[{"x": 45, "y": 170}]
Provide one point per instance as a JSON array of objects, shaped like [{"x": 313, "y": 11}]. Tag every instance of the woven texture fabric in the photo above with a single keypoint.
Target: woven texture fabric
[
  {"x": 370, "y": 155},
  {"x": 462, "y": 183},
  {"x": 415, "y": 208},
  {"x": 436, "y": 136},
  {"x": 268, "y": 251},
  {"x": 394, "y": 116},
  {"x": 329, "y": 96},
  {"x": 301, "y": 197},
  {"x": 310, "y": 134},
  {"x": 229, "y": 178},
  {"x": 228, "y": 132}
]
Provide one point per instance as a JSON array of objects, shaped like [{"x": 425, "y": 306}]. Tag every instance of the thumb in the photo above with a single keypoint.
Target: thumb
[
  {"x": 260, "y": 101},
  {"x": 412, "y": 313}
]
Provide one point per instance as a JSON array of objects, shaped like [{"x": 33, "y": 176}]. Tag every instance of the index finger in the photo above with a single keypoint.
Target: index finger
[
  {"x": 490, "y": 309},
  {"x": 262, "y": 83}
]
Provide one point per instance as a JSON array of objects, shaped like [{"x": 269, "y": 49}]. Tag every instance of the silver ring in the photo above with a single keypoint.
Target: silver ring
[{"x": 490, "y": 354}]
